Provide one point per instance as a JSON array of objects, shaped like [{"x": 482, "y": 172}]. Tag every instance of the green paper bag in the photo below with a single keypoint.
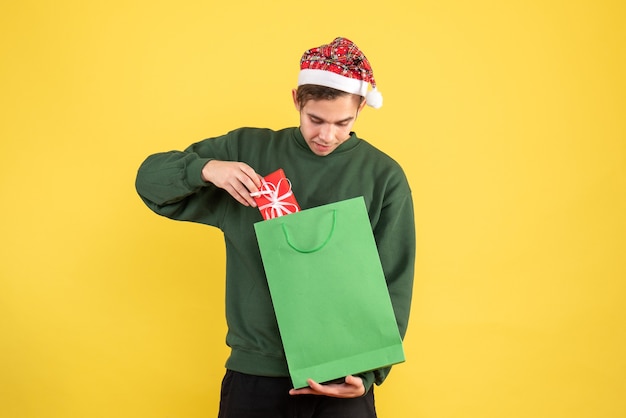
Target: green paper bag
[{"x": 329, "y": 292}]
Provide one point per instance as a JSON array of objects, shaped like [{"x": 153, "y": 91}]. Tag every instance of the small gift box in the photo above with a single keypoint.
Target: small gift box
[{"x": 275, "y": 197}]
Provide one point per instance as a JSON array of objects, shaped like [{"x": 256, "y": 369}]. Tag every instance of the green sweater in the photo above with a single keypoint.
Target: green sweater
[{"x": 170, "y": 184}]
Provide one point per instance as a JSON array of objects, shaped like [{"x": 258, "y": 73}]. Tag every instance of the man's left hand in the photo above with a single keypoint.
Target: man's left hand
[{"x": 352, "y": 387}]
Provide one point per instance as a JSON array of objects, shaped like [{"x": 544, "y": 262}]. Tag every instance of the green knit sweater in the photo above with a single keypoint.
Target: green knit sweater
[{"x": 170, "y": 184}]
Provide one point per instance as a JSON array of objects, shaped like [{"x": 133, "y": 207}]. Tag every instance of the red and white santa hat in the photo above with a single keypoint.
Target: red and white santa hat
[{"x": 342, "y": 66}]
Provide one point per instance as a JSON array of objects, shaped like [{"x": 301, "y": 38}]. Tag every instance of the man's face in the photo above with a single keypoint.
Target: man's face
[{"x": 326, "y": 124}]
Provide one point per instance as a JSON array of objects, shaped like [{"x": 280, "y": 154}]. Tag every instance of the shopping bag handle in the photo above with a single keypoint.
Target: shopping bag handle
[{"x": 319, "y": 247}]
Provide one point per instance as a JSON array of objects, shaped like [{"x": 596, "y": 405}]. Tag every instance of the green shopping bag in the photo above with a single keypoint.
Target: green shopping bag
[{"x": 329, "y": 292}]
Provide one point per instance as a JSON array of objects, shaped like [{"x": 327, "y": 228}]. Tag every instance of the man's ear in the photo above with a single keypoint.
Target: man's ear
[
  {"x": 294, "y": 95},
  {"x": 362, "y": 105}
]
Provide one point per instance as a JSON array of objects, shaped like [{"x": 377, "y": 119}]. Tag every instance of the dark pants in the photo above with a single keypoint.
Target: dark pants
[{"x": 247, "y": 396}]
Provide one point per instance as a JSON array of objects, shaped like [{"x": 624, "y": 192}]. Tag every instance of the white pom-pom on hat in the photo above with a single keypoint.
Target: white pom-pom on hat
[{"x": 374, "y": 98}]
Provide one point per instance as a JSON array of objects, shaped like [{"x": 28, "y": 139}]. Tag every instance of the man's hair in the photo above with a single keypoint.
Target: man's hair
[{"x": 308, "y": 92}]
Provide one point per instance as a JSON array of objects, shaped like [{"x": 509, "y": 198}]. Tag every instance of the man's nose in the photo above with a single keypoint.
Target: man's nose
[{"x": 326, "y": 132}]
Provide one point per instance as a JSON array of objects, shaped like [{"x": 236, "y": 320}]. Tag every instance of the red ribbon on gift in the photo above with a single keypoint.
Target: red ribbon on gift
[{"x": 275, "y": 197}]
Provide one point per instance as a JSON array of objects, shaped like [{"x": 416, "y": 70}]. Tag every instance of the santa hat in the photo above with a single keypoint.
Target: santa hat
[{"x": 342, "y": 66}]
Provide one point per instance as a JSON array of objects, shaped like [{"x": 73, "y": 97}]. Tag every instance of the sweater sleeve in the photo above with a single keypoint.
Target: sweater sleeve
[
  {"x": 395, "y": 238},
  {"x": 171, "y": 184}
]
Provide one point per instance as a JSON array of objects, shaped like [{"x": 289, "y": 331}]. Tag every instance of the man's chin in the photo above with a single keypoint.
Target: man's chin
[{"x": 321, "y": 150}]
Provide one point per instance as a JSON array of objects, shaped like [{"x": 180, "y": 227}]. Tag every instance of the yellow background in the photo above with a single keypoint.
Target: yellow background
[{"x": 508, "y": 116}]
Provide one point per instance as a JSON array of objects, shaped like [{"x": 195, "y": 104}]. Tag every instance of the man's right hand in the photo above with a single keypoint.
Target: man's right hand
[{"x": 238, "y": 179}]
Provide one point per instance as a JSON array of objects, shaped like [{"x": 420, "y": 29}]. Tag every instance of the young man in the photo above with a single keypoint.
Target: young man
[{"x": 211, "y": 182}]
